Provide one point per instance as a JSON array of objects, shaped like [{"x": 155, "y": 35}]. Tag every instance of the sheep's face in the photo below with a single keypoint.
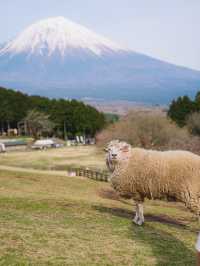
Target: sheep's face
[{"x": 117, "y": 152}]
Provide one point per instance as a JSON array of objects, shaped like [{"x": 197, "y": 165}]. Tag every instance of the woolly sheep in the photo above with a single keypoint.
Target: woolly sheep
[{"x": 138, "y": 173}]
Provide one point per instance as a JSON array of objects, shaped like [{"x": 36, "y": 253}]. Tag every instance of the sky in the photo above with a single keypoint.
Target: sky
[{"x": 165, "y": 29}]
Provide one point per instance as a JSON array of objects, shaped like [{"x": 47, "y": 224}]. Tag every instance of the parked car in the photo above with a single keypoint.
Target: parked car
[{"x": 43, "y": 144}]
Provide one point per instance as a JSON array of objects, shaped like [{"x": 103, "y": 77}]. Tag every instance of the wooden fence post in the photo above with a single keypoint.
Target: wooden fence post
[{"x": 96, "y": 175}]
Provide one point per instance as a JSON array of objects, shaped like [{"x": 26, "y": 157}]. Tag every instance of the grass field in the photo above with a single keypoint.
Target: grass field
[
  {"x": 56, "y": 159},
  {"x": 56, "y": 220}
]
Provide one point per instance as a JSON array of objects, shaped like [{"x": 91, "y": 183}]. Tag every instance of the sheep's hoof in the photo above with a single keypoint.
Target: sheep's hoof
[
  {"x": 138, "y": 222},
  {"x": 135, "y": 220}
]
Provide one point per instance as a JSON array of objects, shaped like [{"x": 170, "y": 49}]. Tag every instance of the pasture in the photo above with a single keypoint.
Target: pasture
[
  {"x": 56, "y": 159},
  {"x": 57, "y": 220}
]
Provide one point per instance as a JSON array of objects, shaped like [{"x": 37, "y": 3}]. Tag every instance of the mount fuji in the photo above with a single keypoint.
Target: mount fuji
[{"x": 59, "y": 58}]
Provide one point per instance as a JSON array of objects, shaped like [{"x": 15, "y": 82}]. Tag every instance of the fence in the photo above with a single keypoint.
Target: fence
[{"x": 92, "y": 174}]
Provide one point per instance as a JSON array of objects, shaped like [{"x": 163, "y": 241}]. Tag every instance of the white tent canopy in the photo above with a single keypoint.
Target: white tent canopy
[{"x": 2, "y": 147}]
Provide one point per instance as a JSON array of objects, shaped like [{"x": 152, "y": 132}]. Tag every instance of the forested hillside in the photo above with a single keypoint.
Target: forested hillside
[{"x": 76, "y": 116}]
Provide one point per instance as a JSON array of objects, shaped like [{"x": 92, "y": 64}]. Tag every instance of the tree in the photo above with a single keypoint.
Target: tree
[
  {"x": 180, "y": 109},
  {"x": 150, "y": 130},
  {"x": 38, "y": 123},
  {"x": 197, "y": 101},
  {"x": 13, "y": 107},
  {"x": 73, "y": 115},
  {"x": 193, "y": 123},
  {"x": 76, "y": 117}
]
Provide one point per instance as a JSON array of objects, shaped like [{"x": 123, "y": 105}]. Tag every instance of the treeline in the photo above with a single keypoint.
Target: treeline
[
  {"x": 182, "y": 108},
  {"x": 71, "y": 116}
]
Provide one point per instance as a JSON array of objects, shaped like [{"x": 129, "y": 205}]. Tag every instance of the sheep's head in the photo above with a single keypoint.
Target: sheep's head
[{"x": 117, "y": 151}]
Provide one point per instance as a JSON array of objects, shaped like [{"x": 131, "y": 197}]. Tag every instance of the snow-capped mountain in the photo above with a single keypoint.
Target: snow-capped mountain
[
  {"x": 59, "y": 58},
  {"x": 57, "y": 35}
]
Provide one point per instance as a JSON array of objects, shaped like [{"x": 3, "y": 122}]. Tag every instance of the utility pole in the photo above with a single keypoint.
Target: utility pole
[{"x": 65, "y": 133}]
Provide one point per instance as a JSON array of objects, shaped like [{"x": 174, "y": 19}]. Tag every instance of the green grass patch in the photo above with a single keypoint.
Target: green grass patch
[{"x": 69, "y": 221}]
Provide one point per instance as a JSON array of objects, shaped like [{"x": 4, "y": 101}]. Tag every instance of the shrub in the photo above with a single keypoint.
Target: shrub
[
  {"x": 193, "y": 123},
  {"x": 151, "y": 131}
]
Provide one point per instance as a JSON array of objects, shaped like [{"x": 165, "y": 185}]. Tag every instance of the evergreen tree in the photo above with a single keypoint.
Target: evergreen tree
[
  {"x": 75, "y": 116},
  {"x": 180, "y": 109}
]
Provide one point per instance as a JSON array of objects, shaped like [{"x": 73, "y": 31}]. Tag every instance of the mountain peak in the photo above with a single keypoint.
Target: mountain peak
[
  {"x": 56, "y": 57},
  {"x": 58, "y": 34}
]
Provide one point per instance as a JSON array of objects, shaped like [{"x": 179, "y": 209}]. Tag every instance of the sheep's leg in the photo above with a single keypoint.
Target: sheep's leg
[
  {"x": 136, "y": 218},
  {"x": 139, "y": 215}
]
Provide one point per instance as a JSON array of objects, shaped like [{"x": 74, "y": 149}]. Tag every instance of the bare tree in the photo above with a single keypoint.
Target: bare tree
[
  {"x": 193, "y": 123},
  {"x": 151, "y": 131},
  {"x": 38, "y": 123}
]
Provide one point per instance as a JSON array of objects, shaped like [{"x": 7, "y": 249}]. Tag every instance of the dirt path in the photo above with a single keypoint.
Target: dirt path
[{"x": 33, "y": 171}]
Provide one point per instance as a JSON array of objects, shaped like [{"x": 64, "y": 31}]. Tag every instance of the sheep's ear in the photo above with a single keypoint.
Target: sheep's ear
[
  {"x": 105, "y": 149},
  {"x": 126, "y": 148}
]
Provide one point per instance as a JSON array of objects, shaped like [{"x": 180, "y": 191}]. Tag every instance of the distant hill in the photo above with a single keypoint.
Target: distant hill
[{"x": 59, "y": 58}]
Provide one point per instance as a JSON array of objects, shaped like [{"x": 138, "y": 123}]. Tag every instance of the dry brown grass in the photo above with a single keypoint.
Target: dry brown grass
[{"x": 56, "y": 159}]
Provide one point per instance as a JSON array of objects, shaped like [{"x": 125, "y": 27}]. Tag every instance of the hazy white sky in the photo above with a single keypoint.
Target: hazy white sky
[{"x": 165, "y": 29}]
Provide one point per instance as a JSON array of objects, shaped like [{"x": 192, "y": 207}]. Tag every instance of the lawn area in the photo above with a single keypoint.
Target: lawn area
[
  {"x": 56, "y": 159},
  {"x": 53, "y": 220}
]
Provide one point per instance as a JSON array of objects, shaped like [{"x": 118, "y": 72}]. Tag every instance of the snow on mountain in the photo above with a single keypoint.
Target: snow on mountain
[
  {"x": 59, "y": 58},
  {"x": 58, "y": 34}
]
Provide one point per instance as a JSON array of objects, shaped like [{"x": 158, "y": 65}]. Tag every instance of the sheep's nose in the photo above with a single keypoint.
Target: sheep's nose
[{"x": 114, "y": 155}]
